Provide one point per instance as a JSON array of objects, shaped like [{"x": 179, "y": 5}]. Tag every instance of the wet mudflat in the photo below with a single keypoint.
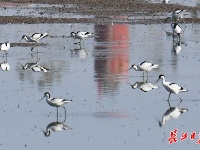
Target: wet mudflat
[{"x": 106, "y": 112}]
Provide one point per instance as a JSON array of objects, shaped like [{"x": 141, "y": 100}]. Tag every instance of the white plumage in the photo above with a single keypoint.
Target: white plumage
[
  {"x": 177, "y": 14},
  {"x": 80, "y": 35},
  {"x": 5, "y": 47},
  {"x": 165, "y": 1},
  {"x": 55, "y": 102},
  {"x": 172, "y": 113},
  {"x": 144, "y": 66},
  {"x": 176, "y": 28},
  {"x": 172, "y": 87},
  {"x": 35, "y": 37}
]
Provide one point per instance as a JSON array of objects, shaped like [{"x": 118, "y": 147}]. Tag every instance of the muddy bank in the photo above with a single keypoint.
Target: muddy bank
[
  {"x": 38, "y": 20},
  {"x": 102, "y": 10}
]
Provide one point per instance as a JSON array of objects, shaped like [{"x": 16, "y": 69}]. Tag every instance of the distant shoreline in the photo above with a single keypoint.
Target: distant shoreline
[{"x": 101, "y": 9}]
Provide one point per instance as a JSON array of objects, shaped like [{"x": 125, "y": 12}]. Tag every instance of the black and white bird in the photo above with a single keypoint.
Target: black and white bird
[
  {"x": 5, "y": 47},
  {"x": 144, "y": 66},
  {"x": 80, "y": 35},
  {"x": 165, "y": 1},
  {"x": 144, "y": 86},
  {"x": 171, "y": 87},
  {"x": 56, "y": 102},
  {"x": 56, "y": 127},
  {"x": 34, "y": 38},
  {"x": 176, "y": 30},
  {"x": 176, "y": 15}
]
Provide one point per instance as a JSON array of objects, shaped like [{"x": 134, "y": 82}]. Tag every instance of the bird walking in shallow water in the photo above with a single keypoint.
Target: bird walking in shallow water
[
  {"x": 176, "y": 30},
  {"x": 80, "y": 35},
  {"x": 171, "y": 87},
  {"x": 5, "y": 47},
  {"x": 55, "y": 102},
  {"x": 176, "y": 16},
  {"x": 144, "y": 66},
  {"x": 34, "y": 38}
]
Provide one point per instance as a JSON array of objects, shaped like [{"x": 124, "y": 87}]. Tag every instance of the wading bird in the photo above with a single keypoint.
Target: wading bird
[
  {"x": 176, "y": 30},
  {"x": 144, "y": 66},
  {"x": 80, "y": 35},
  {"x": 56, "y": 102},
  {"x": 171, "y": 87},
  {"x": 176, "y": 16},
  {"x": 34, "y": 38}
]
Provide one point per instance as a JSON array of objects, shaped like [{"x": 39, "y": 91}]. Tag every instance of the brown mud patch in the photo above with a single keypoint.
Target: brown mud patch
[{"x": 101, "y": 10}]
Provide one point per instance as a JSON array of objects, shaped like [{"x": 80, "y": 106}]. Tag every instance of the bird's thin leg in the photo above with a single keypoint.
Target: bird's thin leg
[
  {"x": 143, "y": 74},
  {"x": 169, "y": 96},
  {"x": 147, "y": 75},
  {"x": 179, "y": 97}
]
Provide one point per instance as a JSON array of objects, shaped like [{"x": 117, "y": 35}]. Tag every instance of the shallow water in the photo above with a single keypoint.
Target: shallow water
[{"x": 106, "y": 113}]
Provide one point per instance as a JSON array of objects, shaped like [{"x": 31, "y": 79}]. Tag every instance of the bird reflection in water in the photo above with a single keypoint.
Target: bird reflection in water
[
  {"x": 34, "y": 66},
  {"x": 172, "y": 113},
  {"x": 176, "y": 47},
  {"x": 144, "y": 86},
  {"x": 79, "y": 52},
  {"x": 56, "y": 127},
  {"x": 4, "y": 65}
]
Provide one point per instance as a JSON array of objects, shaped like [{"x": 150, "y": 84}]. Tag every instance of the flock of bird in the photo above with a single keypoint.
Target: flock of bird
[
  {"x": 35, "y": 38},
  {"x": 172, "y": 112},
  {"x": 144, "y": 66}
]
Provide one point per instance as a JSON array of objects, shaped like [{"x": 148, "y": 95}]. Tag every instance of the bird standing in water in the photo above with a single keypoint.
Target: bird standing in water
[
  {"x": 56, "y": 102},
  {"x": 144, "y": 66},
  {"x": 171, "y": 87}
]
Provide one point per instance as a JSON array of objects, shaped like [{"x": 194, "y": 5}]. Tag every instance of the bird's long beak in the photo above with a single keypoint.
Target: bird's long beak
[
  {"x": 156, "y": 81},
  {"x": 130, "y": 68},
  {"x": 42, "y": 98},
  {"x": 21, "y": 39}
]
